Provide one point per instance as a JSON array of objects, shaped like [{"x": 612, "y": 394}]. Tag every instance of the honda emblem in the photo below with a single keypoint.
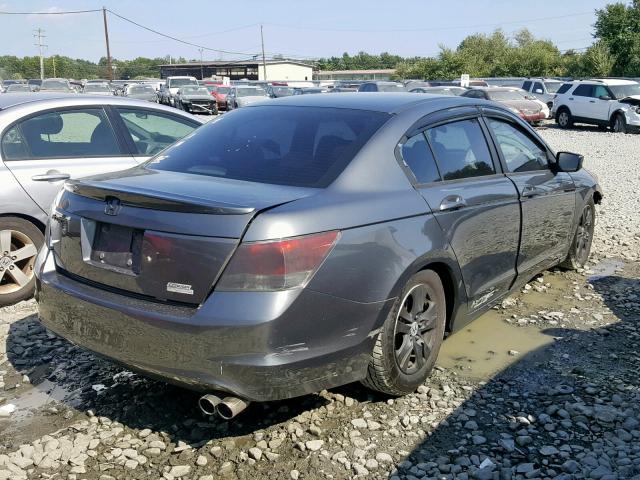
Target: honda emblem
[{"x": 112, "y": 206}]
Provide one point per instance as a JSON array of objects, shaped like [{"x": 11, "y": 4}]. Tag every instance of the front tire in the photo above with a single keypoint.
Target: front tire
[
  {"x": 582, "y": 239},
  {"x": 407, "y": 347},
  {"x": 20, "y": 241},
  {"x": 619, "y": 123},
  {"x": 564, "y": 119}
]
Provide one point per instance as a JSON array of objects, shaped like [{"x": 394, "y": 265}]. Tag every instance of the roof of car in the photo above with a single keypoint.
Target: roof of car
[
  {"x": 379, "y": 102},
  {"x": 605, "y": 81}
]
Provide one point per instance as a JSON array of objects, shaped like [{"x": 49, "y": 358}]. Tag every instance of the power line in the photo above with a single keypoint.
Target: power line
[
  {"x": 69, "y": 12},
  {"x": 175, "y": 38}
]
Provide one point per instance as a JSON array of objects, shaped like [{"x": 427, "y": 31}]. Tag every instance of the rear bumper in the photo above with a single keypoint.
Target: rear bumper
[{"x": 258, "y": 346}]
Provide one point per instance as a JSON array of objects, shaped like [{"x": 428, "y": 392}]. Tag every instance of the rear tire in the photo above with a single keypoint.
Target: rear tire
[
  {"x": 582, "y": 238},
  {"x": 20, "y": 242},
  {"x": 407, "y": 347},
  {"x": 564, "y": 119}
]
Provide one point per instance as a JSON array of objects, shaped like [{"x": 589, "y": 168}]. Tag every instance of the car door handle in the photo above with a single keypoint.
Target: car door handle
[
  {"x": 531, "y": 191},
  {"x": 51, "y": 176},
  {"x": 452, "y": 202},
  {"x": 592, "y": 101}
]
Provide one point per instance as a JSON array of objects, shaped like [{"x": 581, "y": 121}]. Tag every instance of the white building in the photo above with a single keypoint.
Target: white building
[{"x": 242, "y": 70}]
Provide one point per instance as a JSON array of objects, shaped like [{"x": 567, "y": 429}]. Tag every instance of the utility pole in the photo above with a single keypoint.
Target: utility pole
[
  {"x": 53, "y": 59},
  {"x": 39, "y": 36},
  {"x": 264, "y": 62},
  {"x": 106, "y": 39},
  {"x": 201, "y": 68}
]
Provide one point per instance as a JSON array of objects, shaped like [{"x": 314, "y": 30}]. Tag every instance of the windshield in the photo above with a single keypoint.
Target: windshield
[
  {"x": 18, "y": 88},
  {"x": 195, "y": 91},
  {"x": 552, "y": 87},
  {"x": 391, "y": 88},
  {"x": 223, "y": 90},
  {"x": 179, "y": 82},
  {"x": 137, "y": 89},
  {"x": 304, "y": 147},
  {"x": 93, "y": 87},
  {"x": 282, "y": 91},
  {"x": 55, "y": 85},
  {"x": 506, "y": 96},
  {"x": 251, "y": 92},
  {"x": 622, "y": 91}
]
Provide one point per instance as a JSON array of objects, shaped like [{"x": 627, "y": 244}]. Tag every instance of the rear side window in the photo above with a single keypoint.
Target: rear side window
[
  {"x": 526, "y": 85},
  {"x": 152, "y": 132},
  {"x": 13, "y": 145},
  {"x": 461, "y": 150},
  {"x": 564, "y": 88},
  {"x": 583, "y": 90},
  {"x": 304, "y": 147},
  {"x": 69, "y": 134},
  {"x": 416, "y": 153}
]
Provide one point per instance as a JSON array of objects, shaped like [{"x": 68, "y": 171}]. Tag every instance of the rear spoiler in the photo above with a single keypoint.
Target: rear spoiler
[{"x": 142, "y": 198}]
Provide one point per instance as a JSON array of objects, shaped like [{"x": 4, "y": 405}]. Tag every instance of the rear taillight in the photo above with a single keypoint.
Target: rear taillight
[{"x": 276, "y": 265}]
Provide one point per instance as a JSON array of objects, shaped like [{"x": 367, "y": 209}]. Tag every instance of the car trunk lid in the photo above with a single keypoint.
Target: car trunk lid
[{"x": 162, "y": 235}]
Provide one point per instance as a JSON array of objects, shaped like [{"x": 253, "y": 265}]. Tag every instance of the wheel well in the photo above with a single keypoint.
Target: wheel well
[
  {"x": 446, "y": 276},
  {"x": 35, "y": 221},
  {"x": 613, "y": 116},
  {"x": 597, "y": 197}
]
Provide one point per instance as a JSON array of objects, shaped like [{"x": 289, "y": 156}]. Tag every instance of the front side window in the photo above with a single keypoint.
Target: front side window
[
  {"x": 416, "y": 153},
  {"x": 68, "y": 134},
  {"x": 303, "y": 147},
  {"x": 152, "y": 132},
  {"x": 520, "y": 152},
  {"x": 461, "y": 150},
  {"x": 538, "y": 86}
]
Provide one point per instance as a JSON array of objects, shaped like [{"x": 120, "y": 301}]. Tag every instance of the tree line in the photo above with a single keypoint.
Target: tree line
[{"x": 614, "y": 52}]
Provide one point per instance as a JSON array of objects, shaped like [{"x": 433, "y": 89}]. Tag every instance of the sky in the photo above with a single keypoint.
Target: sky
[{"x": 292, "y": 28}]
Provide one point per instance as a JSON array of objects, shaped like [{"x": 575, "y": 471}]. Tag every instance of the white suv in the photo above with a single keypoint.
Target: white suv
[{"x": 604, "y": 102}]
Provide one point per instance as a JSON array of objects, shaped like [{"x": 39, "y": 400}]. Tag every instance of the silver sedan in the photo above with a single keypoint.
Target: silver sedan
[{"x": 49, "y": 138}]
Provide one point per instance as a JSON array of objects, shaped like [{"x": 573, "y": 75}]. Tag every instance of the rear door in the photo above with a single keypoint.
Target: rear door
[
  {"x": 149, "y": 131},
  {"x": 580, "y": 101},
  {"x": 474, "y": 203},
  {"x": 548, "y": 198},
  {"x": 44, "y": 150}
]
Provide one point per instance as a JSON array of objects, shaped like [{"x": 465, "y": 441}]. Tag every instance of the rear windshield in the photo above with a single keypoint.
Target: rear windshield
[{"x": 295, "y": 146}]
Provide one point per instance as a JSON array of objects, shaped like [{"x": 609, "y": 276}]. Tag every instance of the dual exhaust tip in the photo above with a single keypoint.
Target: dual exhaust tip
[{"x": 226, "y": 408}]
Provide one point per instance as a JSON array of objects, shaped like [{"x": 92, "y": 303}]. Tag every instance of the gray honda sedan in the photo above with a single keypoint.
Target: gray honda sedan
[
  {"x": 311, "y": 241},
  {"x": 47, "y": 138}
]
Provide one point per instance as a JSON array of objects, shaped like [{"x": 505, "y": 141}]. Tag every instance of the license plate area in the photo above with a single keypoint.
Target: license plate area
[{"x": 117, "y": 248}]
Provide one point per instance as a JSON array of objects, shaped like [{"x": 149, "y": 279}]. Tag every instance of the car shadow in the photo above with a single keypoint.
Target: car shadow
[
  {"x": 97, "y": 386},
  {"x": 552, "y": 396}
]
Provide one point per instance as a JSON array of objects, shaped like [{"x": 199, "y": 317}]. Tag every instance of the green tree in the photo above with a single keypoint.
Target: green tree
[{"x": 618, "y": 26}]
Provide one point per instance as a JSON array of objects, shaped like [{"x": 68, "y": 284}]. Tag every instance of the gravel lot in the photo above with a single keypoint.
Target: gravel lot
[{"x": 545, "y": 386}]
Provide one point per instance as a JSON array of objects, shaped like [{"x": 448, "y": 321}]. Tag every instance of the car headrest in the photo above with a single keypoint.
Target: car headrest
[{"x": 49, "y": 124}]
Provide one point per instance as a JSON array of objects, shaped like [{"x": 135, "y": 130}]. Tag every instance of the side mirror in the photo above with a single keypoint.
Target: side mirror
[
  {"x": 568, "y": 162},
  {"x": 604, "y": 97},
  {"x": 537, "y": 90}
]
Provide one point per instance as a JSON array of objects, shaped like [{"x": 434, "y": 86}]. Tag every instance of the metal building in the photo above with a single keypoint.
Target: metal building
[{"x": 241, "y": 70}]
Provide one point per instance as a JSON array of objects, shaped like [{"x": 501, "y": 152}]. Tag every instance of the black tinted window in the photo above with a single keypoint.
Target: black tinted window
[
  {"x": 306, "y": 147},
  {"x": 520, "y": 152},
  {"x": 461, "y": 150},
  {"x": 538, "y": 86},
  {"x": 526, "y": 85},
  {"x": 564, "y": 88},
  {"x": 418, "y": 157},
  {"x": 583, "y": 91}
]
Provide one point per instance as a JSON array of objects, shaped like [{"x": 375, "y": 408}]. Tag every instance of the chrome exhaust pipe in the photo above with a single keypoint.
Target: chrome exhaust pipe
[
  {"x": 208, "y": 404},
  {"x": 230, "y": 407}
]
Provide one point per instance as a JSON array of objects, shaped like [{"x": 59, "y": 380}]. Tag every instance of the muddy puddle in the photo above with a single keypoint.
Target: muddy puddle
[
  {"x": 489, "y": 345},
  {"x": 605, "y": 268}
]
